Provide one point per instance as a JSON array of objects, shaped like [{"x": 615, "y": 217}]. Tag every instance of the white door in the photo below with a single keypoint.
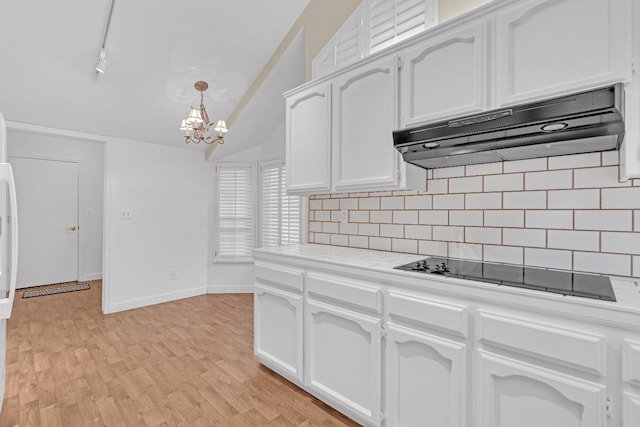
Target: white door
[{"x": 47, "y": 193}]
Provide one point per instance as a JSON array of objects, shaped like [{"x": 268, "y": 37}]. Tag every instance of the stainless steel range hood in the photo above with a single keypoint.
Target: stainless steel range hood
[{"x": 579, "y": 123}]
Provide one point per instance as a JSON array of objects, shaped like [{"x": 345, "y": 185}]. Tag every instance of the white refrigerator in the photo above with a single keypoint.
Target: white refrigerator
[{"x": 8, "y": 249}]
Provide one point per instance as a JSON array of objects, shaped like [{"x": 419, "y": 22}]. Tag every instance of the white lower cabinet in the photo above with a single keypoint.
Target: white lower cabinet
[
  {"x": 343, "y": 359},
  {"x": 425, "y": 379},
  {"x": 515, "y": 393},
  {"x": 278, "y": 329}
]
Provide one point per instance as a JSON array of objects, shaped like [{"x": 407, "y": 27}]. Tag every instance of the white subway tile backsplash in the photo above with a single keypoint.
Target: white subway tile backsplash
[
  {"x": 340, "y": 240},
  {"x": 448, "y": 172},
  {"x": 312, "y": 215},
  {"x": 420, "y": 232},
  {"x": 506, "y": 182},
  {"x": 405, "y": 217},
  {"x": 348, "y": 228},
  {"x": 336, "y": 216},
  {"x": 429, "y": 247},
  {"x": 484, "y": 169},
  {"x": 418, "y": 202},
  {"x": 315, "y": 226},
  {"x": 548, "y": 180},
  {"x": 483, "y": 201},
  {"x": 315, "y": 204},
  {"x": 404, "y": 245},
  {"x": 323, "y": 239},
  {"x": 636, "y": 266},
  {"x": 369, "y": 203},
  {"x": 348, "y": 203},
  {"x": 610, "y": 158},
  {"x": 396, "y": 202},
  {"x": 622, "y": 243},
  {"x": 358, "y": 216},
  {"x": 621, "y": 198},
  {"x": 329, "y": 204},
  {"x": 574, "y": 199},
  {"x": 323, "y": 215},
  {"x": 405, "y": 192},
  {"x": 524, "y": 237},
  {"x": 465, "y": 251},
  {"x": 391, "y": 230},
  {"x": 574, "y": 240},
  {"x": 607, "y": 220},
  {"x": 603, "y": 263},
  {"x": 380, "y": 243},
  {"x": 547, "y": 258},
  {"x": 448, "y": 201},
  {"x": 449, "y": 233},
  {"x": 358, "y": 241},
  {"x": 549, "y": 219},
  {"x": 506, "y": 254},
  {"x": 434, "y": 217},
  {"x": 471, "y": 184},
  {"x": 466, "y": 217},
  {"x": 525, "y": 165},
  {"x": 381, "y": 216},
  {"x": 504, "y": 218},
  {"x": 598, "y": 178},
  {"x": 574, "y": 161},
  {"x": 368, "y": 229},
  {"x": 489, "y": 235},
  {"x": 437, "y": 186},
  {"x": 330, "y": 227},
  {"x": 636, "y": 221},
  {"x": 525, "y": 200}
]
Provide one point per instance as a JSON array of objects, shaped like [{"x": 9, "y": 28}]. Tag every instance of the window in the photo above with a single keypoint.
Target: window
[
  {"x": 236, "y": 209},
  {"x": 280, "y": 212}
]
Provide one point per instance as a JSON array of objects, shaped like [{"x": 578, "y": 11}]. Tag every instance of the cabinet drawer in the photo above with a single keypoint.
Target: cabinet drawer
[
  {"x": 350, "y": 292},
  {"x": 284, "y": 277},
  {"x": 631, "y": 361},
  {"x": 569, "y": 347},
  {"x": 430, "y": 312}
]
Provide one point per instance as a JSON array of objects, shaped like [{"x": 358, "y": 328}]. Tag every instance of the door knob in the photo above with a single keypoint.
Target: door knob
[{"x": 74, "y": 228}]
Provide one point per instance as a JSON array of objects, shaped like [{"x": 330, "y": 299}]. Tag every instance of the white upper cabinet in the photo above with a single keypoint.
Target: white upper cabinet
[
  {"x": 344, "y": 48},
  {"x": 552, "y": 47},
  {"x": 364, "y": 112},
  {"x": 390, "y": 21},
  {"x": 445, "y": 76},
  {"x": 308, "y": 140}
]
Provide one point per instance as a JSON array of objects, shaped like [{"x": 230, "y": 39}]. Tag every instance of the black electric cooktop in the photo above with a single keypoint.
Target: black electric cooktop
[{"x": 559, "y": 282}]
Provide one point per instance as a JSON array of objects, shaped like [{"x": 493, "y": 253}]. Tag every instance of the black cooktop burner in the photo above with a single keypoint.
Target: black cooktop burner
[{"x": 560, "y": 282}]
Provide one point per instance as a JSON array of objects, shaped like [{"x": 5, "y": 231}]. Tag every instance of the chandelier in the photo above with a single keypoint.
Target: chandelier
[{"x": 197, "y": 127}]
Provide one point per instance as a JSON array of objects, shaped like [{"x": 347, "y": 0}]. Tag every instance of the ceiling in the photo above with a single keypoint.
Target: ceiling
[{"x": 156, "y": 51}]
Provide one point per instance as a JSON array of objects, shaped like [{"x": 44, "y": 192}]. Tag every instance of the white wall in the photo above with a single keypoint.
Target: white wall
[
  {"x": 167, "y": 190},
  {"x": 90, "y": 157}
]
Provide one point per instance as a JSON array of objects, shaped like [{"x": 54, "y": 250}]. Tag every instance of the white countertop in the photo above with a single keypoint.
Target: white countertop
[{"x": 627, "y": 290}]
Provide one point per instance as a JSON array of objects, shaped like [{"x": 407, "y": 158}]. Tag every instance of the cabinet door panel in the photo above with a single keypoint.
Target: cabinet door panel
[
  {"x": 342, "y": 356},
  {"x": 549, "y": 47},
  {"x": 308, "y": 140},
  {"x": 365, "y": 107},
  {"x": 445, "y": 76},
  {"x": 278, "y": 329},
  {"x": 425, "y": 379},
  {"x": 513, "y": 393}
]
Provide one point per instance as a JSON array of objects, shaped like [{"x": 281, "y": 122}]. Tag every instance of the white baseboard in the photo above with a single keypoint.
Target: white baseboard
[
  {"x": 156, "y": 299},
  {"x": 230, "y": 289},
  {"x": 91, "y": 276}
]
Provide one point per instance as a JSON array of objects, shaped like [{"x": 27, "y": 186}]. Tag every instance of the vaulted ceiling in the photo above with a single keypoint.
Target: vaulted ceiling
[{"x": 157, "y": 50}]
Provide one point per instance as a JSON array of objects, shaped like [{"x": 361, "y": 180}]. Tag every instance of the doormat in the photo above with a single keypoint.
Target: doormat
[{"x": 55, "y": 290}]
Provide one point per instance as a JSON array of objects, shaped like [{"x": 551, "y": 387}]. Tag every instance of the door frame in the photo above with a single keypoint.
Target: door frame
[{"x": 81, "y": 223}]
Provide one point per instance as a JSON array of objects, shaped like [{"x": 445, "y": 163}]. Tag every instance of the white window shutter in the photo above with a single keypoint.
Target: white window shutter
[
  {"x": 236, "y": 184},
  {"x": 280, "y": 212}
]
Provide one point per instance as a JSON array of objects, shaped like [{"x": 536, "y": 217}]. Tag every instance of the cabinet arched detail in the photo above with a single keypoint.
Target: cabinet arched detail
[
  {"x": 532, "y": 63},
  {"x": 445, "y": 77},
  {"x": 512, "y": 392},
  {"x": 425, "y": 382}
]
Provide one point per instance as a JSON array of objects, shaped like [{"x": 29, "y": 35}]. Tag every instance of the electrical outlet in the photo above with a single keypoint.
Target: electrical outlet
[
  {"x": 344, "y": 216},
  {"x": 173, "y": 274},
  {"x": 126, "y": 214}
]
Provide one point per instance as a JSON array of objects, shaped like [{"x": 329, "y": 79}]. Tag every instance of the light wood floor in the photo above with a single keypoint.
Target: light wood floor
[{"x": 183, "y": 363}]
